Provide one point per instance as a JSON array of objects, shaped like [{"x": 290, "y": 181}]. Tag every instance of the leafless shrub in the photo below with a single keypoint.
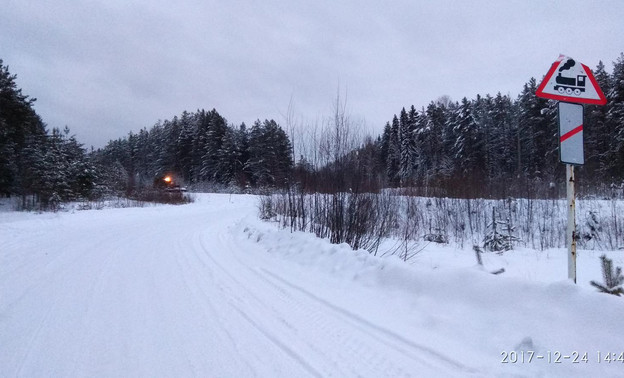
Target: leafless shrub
[
  {"x": 361, "y": 220},
  {"x": 161, "y": 196},
  {"x": 365, "y": 220}
]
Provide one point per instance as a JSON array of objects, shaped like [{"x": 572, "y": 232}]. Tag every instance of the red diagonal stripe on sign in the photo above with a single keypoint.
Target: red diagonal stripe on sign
[{"x": 571, "y": 133}]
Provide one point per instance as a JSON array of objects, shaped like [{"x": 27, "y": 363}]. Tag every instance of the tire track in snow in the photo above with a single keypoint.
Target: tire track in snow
[
  {"x": 96, "y": 287},
  {"x": 384, "y": 335},
  {"x": 243, "y": 306},
  {"x": 200, "y": 291},
  {"x": 289, "y": 351},
  {"x": 311, "y": 313},
  {"x": 33, "y": 339},
  {"x": 179, "y": 278},
  {"x": 347, "y": 345}
]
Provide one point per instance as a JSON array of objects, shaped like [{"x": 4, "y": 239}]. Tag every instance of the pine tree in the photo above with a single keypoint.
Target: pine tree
[
  {"x": 184, "y": 146},
  {"x": 168, "y": 161},
  {"x": 81, "y": 174},
  {"x": 500, "y": 141},
  {"x": 21, "y": 130},
  {"x": 482, "y": 108},
  {"x": 140, "y": 154},
  {"x": 613, "y": 278},
  {"x": 31, "y": 179},
  {"x": 8, "y": 160},
  {"x": 198, "y": 149},
  {"x": 597, "y": 136},
  {"x": 500, "y": 237},
  {"x": 56, "y": 172},
  {"x": 420, "y": 163},
  {"x": 407, "y": 146},
  {"x": 468, "y": 147},
  {"x": 242, "y": 173},
  {"x": 394, "y": 154},
  {"x": 228, "y": 160},
  {"x": 433, "y": 141},
  {"x": 537, "y": 133},
  {"x": 448, "y": 165},
  {"x": 615, "y": 119},
  {"x": 215, "y": 132},
  {"x": 270, "y": 154},
  {"x": 384, "y": 149}
]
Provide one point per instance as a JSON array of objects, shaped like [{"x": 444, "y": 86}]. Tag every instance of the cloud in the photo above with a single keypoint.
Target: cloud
[{"x": 105, "y": 68}]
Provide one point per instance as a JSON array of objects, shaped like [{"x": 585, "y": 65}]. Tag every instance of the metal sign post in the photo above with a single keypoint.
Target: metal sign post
[
  {"x": 570, "y": 237},
  {"x": 571, "y": 152}
]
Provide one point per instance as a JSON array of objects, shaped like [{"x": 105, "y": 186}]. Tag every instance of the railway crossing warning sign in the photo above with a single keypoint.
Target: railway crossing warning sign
[{"x": 571, "y": 81}]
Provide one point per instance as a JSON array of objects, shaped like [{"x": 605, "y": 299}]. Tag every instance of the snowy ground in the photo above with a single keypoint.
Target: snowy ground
[{"x": 207, "y": 289}]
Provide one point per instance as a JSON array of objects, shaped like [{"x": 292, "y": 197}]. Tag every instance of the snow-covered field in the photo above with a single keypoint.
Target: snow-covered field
[{"x": 209, "y": 290}]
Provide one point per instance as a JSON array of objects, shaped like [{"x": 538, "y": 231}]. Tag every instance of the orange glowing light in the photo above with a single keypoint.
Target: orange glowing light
[{"x": 167, "y": 179}]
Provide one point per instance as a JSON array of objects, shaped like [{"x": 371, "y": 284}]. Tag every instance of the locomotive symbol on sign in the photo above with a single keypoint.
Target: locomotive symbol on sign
[
  {"x": 570, "y": 85},
  {"x": 571, "y": 81}
]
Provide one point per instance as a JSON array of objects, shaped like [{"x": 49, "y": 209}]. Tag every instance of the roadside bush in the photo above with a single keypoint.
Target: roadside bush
[
  {"x": 266, "y": 208},
  {"x": 162, "y": 196},
  {"x": 364, "y": 220}
]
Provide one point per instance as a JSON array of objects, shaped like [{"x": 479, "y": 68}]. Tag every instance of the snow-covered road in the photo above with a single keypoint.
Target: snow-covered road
[
  {"x": 193, "y": 291},
  {"x": 170, "y": 293}
]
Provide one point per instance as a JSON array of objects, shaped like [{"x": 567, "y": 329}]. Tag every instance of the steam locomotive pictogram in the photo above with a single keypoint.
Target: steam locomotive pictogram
[{"x": 570, "y": 85}]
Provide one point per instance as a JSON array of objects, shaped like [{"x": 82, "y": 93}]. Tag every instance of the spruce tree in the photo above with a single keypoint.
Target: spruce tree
[
  {"x": 184, "y": 146},
  {"x": 613, "y": 279},
  {"x": 270, "y": 154},
  {"x": 394, "y": 154},
  {"x": 537, "y": 132},
  {"x": 468, "y": 147},
  {"x": 615, "y": 119},
  {"x": 384, "y": 149},
  {"x": 597, "y": 136},
  {"x": 433, "y": 141},
  {"x": 21, "y": 132},
  {"x": 214, "y": 134},
  {"x": 407, "y": 146}
]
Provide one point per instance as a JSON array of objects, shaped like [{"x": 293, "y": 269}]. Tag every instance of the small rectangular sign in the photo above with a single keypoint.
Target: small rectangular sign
[{"x": 571, "y": 133}]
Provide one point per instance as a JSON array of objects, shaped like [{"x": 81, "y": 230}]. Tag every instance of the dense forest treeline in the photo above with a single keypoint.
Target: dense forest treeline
[
  {"x": 490, "y": 146},
  {"x": 199, "y": 148},
  {"x": 44, "y": 168},
  {"x": 500, "y": 146}
]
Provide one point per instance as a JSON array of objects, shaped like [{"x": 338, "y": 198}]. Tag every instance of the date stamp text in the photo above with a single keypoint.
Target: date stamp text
[{"x": 557, "y": 357}]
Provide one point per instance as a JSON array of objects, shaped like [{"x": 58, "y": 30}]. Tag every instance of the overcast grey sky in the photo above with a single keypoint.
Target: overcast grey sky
[{"x": 108, "y": 67}]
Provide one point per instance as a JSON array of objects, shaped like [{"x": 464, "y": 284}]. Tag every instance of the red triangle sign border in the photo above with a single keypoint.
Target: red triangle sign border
[{"x": 540, "y": 90}]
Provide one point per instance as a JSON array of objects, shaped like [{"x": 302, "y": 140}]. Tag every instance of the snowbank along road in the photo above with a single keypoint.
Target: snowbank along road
[{"x": 208, "y": 290}]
